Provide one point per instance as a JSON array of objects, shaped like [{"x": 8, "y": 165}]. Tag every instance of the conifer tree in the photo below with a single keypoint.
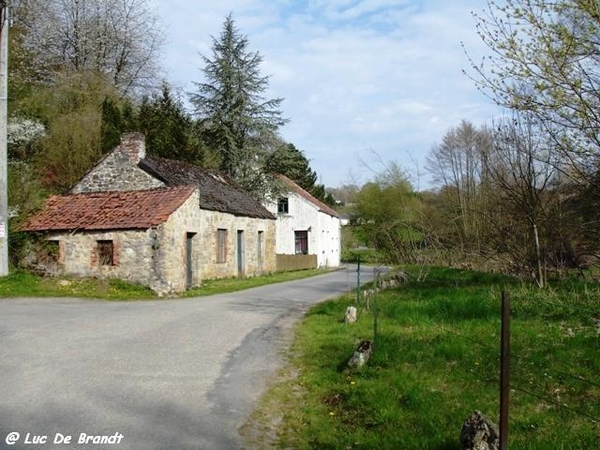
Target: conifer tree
[
  {"x": 291, "y": 162},
  {"x": 237, "y": 120},
  {"x": 112, "y": 124},
  {"x": 169, "y": 129}
]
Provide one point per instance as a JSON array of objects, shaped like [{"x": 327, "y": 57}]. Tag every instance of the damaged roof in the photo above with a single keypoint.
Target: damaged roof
[
  {"x": 108, "y": 210},
  {"x": 218, "y": 192}
]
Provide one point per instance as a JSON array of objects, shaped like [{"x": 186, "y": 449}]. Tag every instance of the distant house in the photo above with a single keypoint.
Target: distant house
[
  {"x": 165, "y": 224},
  {"x": 306, "y": 226}
]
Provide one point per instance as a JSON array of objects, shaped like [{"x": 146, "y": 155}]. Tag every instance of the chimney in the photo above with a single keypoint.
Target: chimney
[{"x": 134, "y": 146}]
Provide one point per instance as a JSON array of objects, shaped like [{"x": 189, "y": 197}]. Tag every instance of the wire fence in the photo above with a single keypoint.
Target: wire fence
[
  {"x": 523, "y": 367},
  {"x": 487, "y": 378}
]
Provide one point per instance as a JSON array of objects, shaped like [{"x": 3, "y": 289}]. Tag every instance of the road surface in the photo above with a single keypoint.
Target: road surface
[{"x": 146, "y": 375}]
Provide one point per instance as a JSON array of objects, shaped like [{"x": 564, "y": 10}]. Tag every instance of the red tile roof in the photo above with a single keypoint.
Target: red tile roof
[
  {"x": 108, "y": 210},
  {"x": 301, "y": 192}
]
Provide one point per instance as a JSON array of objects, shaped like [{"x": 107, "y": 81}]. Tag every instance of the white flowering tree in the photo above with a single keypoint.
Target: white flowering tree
[
  {"x": 120, "y": 39},
  {"x": 22, "y": 133}
]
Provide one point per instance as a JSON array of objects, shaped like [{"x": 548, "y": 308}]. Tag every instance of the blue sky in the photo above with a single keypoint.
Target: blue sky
[{"x": 362, "y": 80}]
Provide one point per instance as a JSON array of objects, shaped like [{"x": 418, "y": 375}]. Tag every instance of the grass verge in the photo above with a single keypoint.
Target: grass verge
[
  {"x": 225, "y": 285},
  {"x": 435, "y": 361},
  {"x": 25, "y": 284}
]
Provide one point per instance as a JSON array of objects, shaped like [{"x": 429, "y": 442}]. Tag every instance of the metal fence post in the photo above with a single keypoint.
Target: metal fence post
[{"x": 358, "y": 281}]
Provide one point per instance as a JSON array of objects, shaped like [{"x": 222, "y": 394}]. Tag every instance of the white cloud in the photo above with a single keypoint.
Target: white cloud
[{"x": 356, "y": 76}]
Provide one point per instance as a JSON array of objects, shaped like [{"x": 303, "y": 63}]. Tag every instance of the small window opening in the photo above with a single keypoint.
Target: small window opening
[
  {"x": 283, "y": 206},
  {"x": 106, "y": 253}
]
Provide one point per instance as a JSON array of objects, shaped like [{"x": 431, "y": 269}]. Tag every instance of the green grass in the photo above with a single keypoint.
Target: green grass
[
  {"x": 226, "y": 285},
  {"x": 436, "y": 360},
  {"x": 25, "y": 284}
]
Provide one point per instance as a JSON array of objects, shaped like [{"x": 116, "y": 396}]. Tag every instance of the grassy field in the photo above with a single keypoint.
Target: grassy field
[
  {"x": 436, "y": 360},
  {"x": 25, "y": 284}
]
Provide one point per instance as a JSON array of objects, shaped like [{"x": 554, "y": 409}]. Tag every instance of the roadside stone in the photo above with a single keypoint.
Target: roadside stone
[
  {"x": 479, "y": 433},
  {"x": 401, "y": 277},
  {"x": 361, "y": 355},
  {"x": 350, "y": 316}
]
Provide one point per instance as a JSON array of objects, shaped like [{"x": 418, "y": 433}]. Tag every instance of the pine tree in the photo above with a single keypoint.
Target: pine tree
[{"x": 237, "y": 120}]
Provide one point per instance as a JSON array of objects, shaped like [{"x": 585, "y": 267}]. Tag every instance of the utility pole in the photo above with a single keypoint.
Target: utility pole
[{"x": 4, "y": 25}]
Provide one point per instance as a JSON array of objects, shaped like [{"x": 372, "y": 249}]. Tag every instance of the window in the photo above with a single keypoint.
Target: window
[
  {"x": 106, "y": 253},
  {"x": 53, "y": 252},
  {"x": 283, "y": 206},
  {"x": 301, "y": 242},
  {"x": 221, "y": 245}
]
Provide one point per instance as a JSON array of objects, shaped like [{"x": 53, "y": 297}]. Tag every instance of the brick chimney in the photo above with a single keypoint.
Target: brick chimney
[{"x": 133, "y": 145}]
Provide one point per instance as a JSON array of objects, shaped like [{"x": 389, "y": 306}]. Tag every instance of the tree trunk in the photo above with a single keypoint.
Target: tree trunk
[{"x": 541, "y": 278}]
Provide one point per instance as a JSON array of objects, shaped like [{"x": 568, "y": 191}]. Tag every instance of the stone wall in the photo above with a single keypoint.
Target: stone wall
[
  {"x": 132, "y": 250},
  {"x": 253, "y": 263},
  {"x": 118, "y": 171},
  {"x": 202, "y": 225},
  {"x": 157, "y": 257}
]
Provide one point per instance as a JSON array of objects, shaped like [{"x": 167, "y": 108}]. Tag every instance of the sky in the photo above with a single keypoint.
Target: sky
[{"x": 364, "y": 82}]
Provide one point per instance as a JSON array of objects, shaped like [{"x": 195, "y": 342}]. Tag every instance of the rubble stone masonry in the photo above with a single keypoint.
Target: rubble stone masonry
[
  {"x": 118, "y": 171},
  {"x": 157, "y": 257}
]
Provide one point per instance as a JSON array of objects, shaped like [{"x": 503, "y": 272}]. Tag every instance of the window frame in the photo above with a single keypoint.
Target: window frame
[
  {"x": 283, "y": 205},
  {"x": 301, "y": 242}
]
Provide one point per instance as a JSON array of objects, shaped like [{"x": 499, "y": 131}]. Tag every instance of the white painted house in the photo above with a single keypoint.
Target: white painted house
[{"x": 306, "y": 226}]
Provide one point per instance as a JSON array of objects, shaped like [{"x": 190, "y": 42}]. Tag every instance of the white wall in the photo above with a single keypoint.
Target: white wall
[{"x": 323, "y": 230}]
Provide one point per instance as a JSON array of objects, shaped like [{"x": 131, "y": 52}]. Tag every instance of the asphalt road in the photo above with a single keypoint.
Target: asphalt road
[{"x": 167, "y": 374}]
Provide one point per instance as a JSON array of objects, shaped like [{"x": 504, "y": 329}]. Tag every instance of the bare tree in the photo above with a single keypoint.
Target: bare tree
[
  {"x": 456, "y": 166},
  {"x": 522, "y": 169}
]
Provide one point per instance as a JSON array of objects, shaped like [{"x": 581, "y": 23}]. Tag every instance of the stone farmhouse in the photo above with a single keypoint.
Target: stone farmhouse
[
  {"x": 306, "y": 226},
  {"x": 162, "y": 223}
]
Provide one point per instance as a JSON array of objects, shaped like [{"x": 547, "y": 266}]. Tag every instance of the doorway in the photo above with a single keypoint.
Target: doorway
[
  {"x": 189, "y": 260},
  {"x": 240, "y": 253}
]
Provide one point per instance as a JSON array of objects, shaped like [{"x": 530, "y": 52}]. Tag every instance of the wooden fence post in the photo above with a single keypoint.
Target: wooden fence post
[{"x": 504, "y": 370}]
